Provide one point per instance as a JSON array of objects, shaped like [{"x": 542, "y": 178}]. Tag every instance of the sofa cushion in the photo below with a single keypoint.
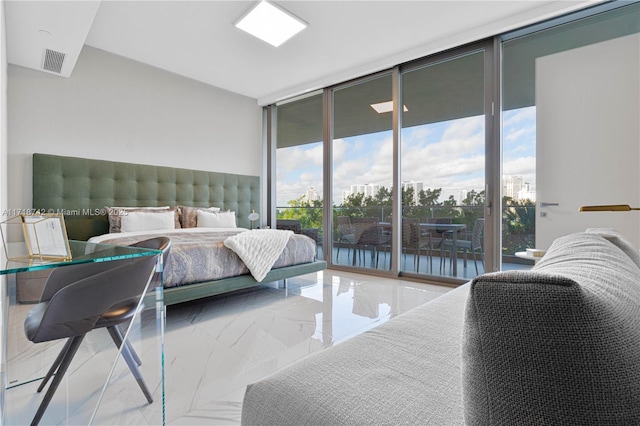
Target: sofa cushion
[
  {"x": 403, "y": 372},
  {"x": 559, "y": 344},
  {"x": 618, "y": 240}
]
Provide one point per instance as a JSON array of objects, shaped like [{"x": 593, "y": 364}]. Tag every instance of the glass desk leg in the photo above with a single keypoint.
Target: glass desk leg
[{"x": 98, "y": 387}]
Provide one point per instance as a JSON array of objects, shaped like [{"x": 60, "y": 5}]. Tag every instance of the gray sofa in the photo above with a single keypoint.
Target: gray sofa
[{"x": 557, "y": 345}]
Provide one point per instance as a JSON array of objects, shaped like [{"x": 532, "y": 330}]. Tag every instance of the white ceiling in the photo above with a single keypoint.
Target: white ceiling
[{"x": 197, "y": 39}]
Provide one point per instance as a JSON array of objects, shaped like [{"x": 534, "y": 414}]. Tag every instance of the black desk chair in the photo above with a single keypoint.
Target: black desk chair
[{"x": 79, "y": 298}]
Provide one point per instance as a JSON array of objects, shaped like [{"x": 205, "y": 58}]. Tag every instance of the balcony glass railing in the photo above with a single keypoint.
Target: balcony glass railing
[{"x": 518, "y": 222}]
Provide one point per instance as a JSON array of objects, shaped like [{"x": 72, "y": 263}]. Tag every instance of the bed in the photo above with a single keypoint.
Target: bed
[{"x": 86, "y": 190}]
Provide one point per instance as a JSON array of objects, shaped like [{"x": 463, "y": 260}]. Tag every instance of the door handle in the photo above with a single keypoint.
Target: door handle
[{"x": 543, "y": 204}]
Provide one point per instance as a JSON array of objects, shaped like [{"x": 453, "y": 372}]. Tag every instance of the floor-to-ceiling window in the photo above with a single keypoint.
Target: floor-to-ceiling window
[
  {"x": 299, "y": 167},
  {"x": 570, "y": 107},
  {"x": 443, "y": 165},
  {"x": 470, "y": 140},
  {"x": 407, "y": 185},
  {"x": 362, "y": 164}
]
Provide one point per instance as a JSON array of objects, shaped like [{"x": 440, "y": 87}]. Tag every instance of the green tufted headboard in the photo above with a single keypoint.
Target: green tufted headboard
[{"x": 81, "y": 188}]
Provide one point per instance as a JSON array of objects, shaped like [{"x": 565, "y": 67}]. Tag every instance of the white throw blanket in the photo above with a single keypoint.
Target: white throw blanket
[{"x": 259, "y": 249}]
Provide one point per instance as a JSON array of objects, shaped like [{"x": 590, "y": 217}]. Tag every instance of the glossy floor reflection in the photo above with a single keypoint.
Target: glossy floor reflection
[
  {"x": 427, "y": 265},
  {"x": 216, "y": 346}
]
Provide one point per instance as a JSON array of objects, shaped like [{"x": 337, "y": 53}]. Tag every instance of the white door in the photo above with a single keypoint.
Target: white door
[{"x": 588, "y": 138}]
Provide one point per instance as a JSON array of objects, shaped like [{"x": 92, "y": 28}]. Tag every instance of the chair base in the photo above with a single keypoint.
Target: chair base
[
  {"x": 57, "y": 370},
  {"x": 63, "y": 360},
  {"x": 132, "y": 360}
]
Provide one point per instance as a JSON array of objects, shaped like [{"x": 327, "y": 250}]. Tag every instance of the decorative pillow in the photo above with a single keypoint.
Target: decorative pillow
[
  {"x": 115, "y": 215},
  {"x": 189, "y": 215},
  {"x": 147, "y": 221},
  {"x": 216, "y": 219},
  {"x": 559, "y": 344}
]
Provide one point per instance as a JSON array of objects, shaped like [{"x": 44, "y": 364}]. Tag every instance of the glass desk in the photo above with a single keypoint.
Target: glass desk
[{"x": 98, "y": 386}]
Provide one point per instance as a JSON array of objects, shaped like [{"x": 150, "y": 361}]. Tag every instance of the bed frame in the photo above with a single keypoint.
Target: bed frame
[{"x": 80, "y": 188}]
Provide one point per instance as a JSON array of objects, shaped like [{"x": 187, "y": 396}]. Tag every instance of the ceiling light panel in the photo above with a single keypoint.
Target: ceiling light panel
[
  {"x": 387, "y": 106},
  {"x": 270, "y": 23}
]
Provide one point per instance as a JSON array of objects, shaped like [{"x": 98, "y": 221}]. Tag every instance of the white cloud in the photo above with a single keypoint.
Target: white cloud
[
  {"x": 465, "y": 128},
  {"x": 448, "y": 155},
  {"x": 371, "y": 165},
  {"x": 523, "y": 134},
  {"x": 515, "y": 117},
  {"x": 459, "y": 152},
  {"x": 524, "y": 166},
  {"x": 416, "y": 132},
  {"x": 298, "y": 169},
  {"x": 291, "y": 158},
  {"x": 339, "y": 150}
]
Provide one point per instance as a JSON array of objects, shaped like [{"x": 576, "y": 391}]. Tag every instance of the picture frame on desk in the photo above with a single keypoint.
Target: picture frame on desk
[{"x": 45, "y": 237}]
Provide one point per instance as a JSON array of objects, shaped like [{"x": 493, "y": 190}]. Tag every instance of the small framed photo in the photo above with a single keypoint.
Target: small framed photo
[{"x": 45, "y": 236}]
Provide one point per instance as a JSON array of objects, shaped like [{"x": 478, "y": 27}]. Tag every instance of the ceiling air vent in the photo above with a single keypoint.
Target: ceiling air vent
[{"x": 53, "y": 61}]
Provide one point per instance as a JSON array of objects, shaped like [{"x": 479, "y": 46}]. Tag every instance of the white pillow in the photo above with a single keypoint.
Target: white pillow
[
  {"x": 208, "y": 219},
  {"x": 147, "y": 221},
  {"x": 115, "y": 213}
]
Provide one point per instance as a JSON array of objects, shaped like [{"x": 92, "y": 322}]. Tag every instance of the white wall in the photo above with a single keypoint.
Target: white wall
[
  {"x": 3, "y": 109},
  {"x": 116, "y": 109},
  {"x": 3, "y": 197},
  {"x": 588, "y": 138}
]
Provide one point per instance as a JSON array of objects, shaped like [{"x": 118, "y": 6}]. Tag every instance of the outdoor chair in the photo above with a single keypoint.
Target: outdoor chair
[
  {"x": 473, "y": 246},
  {"x": 289, "y": 225},
  {"x": 439, "y": 235},
  {"x": 346, "y": 234},
  {"x": 367, "y": 234},
  {"x": 296, "y": 226},
  {"x": 413, "y": 238}
]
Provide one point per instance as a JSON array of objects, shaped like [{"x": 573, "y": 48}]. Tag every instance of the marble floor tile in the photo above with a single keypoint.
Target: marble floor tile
[{"x": 215, "y": 347}]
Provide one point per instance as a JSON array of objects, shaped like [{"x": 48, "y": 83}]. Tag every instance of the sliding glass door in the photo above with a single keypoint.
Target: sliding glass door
[
  {"x": 299, "y": 170},
  {"x": 362, "y": 164},
  {"x": 437, "y": 161},
  {"x": 443, "y": 165},
  {"x": 406, "y": 184}
]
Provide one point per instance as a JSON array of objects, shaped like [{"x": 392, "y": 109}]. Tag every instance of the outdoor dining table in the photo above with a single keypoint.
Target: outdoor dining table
[{"x": 452, "y": 228}]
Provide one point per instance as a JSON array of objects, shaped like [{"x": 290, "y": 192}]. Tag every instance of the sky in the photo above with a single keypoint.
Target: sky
[{"x": 447, "y": 155}]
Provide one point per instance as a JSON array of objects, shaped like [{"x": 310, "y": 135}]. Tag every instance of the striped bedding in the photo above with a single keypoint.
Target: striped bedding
[{"x": 199, "y": 254}]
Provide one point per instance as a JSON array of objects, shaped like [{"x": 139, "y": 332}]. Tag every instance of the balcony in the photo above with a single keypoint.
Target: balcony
[{"x": 518, "y": 233}]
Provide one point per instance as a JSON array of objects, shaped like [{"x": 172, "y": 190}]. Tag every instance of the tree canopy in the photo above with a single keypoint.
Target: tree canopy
[{"x": 518, "y": 216}]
